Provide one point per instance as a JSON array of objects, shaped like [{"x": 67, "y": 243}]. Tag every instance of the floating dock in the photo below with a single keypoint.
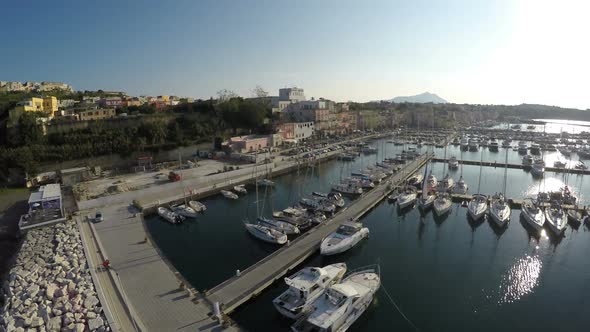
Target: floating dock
[{"x": 496, "y": 164}]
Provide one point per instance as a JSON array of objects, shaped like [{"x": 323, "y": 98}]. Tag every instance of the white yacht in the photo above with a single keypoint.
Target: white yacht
[
  {"x": 305, "y": 287},
  {"x": 425, "y": 201},
  {"x": 295, "y": 216},
  {"x": 240, "y": 189},
  {"x": 442, "y": 204},
  {"x": 446, "y": 183},
  {"x": 407, "y": 197},
  {"x": 453, "y": 163},
  {"x": 185, "y": 211},
  {"x": 346, "y": 237},
  {"x": 350, "y": 188},
  {"x": 522, "y": 147},
  {"x": 169, "y": 216},
  {"x": 460, "y": 187},
  {"x": 473, "y": 144},
  {"x": 229, "y": 194},
  {"x": 500, "y": 210},
  {"x": 281, "y": 226},
  {"x": 318, "y": 205},
  {"x": 556, "y": 219},
  {"x": 477, "y": 206},
  {"x": 197, "y": 206},
  {"x": 266, "y": 234},
  {"x": 342, "y": 304},
  {"x": 535, "y": 148},
  {"x": 532, "y": 214}
]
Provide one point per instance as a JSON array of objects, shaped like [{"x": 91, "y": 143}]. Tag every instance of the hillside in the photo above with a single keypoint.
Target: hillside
[{"x": 425, "y": 97}]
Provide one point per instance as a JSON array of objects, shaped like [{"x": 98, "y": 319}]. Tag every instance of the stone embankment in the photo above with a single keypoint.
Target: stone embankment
[{"x": 50, "y": 287}]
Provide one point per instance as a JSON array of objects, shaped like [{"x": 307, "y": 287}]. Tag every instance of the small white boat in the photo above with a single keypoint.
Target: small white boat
[
  {"x": 333, "y": 197},
  {"x": 349, "y": 188},
  {"x": 185, "y": 211},
  {"x": 559, "y": 164},
  {"x": 575, "y": 216},
  {"x": 532, "y": 214},
  {"x": 477, "y": 206},
  {"x": 453, "y": 163},
  {"x": 500, "y": 210},
  {"x": 266, "y": 234},
  {"x": 229, "y": 194},
  {"x": 580, "y": 165},
  {"x": 346, "y": 237},
  {"x": 425, "y": 201},
  {"x": 538, "y": 170},
  {"x": 407, "y": 197},
  {"x": 169, "y": 216},
  {"x": 318, "y": 205},
  {"x": 305, "y": 287},
  {"x": 442, "y": 204},
  {"x": 446, "y": 183},
  {"x": 197, "y": 206},
  {"x": 431, "y": 182},
  {"x": 460, "y": 187},
  {"x": 342, "y": 303},
  {"x": 527, "y": 160},
  {"x": 281, "y": 226},
  {"x": 556, "y": 219},
  {"x": 240, "y": 189}
]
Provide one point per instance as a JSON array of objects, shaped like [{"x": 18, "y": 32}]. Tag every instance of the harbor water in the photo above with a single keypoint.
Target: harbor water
[{"x": 445, "y": 274}]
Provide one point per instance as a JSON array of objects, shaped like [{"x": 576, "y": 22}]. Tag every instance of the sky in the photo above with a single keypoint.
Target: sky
[{"x": 466, "y": 51}]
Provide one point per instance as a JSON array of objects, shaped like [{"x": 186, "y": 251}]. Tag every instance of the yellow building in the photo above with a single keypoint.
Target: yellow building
[{"x": 47, "y": 105}]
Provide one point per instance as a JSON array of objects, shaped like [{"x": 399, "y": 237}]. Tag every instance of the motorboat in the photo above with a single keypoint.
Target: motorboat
[
  {"x": 556, "y": 219},
  {"x": 506, "y": 143},
  {"x": 460, "y": 187},
  {"x": 530, "y": 127},
  {"x": 477, "y": 206},
  {"x": 185, "y": 211},
  {"x": 344, "y": 238},
  {"x": 535, "y": 148},
  {"x": 473, "y": 145},
  {"x": 265, "y": 183},
  {"x": 281, "y": 226},
  {"x": 565, "y": 151},
  {"x": 559, "y": 164},
  {"x": 464, "y": 143},
  {"x": 407, "y": 197},
  {"x": 580, "y": 165},
  {"x": 575, "y": 215},
  {"x": 394, "y": 195},
  {"x": 369, "y": 150},
  {"x": 294, "y": 215},
  {"x": 527, "y": 160},
  {"x": 348, "y": 187},
  {"x": 532, "y": 214},
  {"x": 363, "y": 183},
  {"x": 342, "y": 303},
  {"x": 522, "y": 147},
  {"x": 333, "y": 197},
  {"x": 493, "y": 147},
  {"x": 305, "y": 287},
  {"x": 318, "y": 205},
  {"x": 500, "y": 210},
  {"x": 584, "y": 153},
  {"x": 538, "y": 169},
  {"x": 169, "y": 216},
  {"x": 442, "y": 204},
  {"x": 229, "y": 194},
  {"x": 453, "y": 163},
  {"x": 197, "y": 206},
  {"x": 266, "y": 234},
  {"x": 240, "y": 189}
]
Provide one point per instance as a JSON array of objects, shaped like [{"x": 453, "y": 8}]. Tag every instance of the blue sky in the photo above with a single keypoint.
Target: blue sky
[{"x": 501, "y": 52}]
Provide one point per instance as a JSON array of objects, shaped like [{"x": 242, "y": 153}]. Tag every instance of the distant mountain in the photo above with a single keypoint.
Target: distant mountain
[{"x": 425, "y": 97}]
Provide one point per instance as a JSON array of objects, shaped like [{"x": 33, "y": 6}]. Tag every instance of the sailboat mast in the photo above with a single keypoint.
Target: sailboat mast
[
  {"x": 505, "y": 174},
  {"x": 480, "y": 169}
]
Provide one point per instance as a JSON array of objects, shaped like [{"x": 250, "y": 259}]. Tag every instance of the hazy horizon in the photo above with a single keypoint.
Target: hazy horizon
[{"x": 476, "y": 52}]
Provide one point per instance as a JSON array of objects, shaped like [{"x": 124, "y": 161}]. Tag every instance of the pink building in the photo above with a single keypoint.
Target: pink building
[
  {"x": 251, "y": 143},
  {"x": 111, "y": 102}
]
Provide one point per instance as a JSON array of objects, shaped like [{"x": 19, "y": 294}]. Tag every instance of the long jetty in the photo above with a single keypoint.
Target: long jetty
[
  {"x": 236, "y": 290},
  {"x": 496, "y": 164}
]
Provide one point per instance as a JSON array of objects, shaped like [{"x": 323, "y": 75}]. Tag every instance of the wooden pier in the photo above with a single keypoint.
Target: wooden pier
[
  {"x": 496, "y": 164},
  {"x": 249, "y": 283}
]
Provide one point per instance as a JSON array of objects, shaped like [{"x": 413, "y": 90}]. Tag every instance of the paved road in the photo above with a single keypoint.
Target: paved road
[{"x": 237, "y": 290}]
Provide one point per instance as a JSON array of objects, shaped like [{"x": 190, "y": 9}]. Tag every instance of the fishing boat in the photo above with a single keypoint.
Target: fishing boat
[
  {"x": 185, "y": 211},
  {"x": 197, "y": 206},
  {"x": 556, "y": 219},
  {"x": 346, "y": 237},
  {"x": 281, "y": 226},
  {"x": 169, "y": 216},
  {"x": 407, "y": 197},
  {"x": 442, "y": 204},
  {"x": 460, "y": 187},
  {"x": 266, "y": 234},
  {"x": 229, "y": 194},
  {"x": 305, "y": 287},
  {"x": 453, "y": 163},
  {"x": 532, "y": 214},
  {"x": 347, "y": 187},
  {"x": 477, "y": 206},
  {"x": 342, "y": 303},
  {"x": 240, "y": 189}
]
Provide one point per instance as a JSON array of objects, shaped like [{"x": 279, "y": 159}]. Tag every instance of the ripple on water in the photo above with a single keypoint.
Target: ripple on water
[{"x": 520, "y": 280}]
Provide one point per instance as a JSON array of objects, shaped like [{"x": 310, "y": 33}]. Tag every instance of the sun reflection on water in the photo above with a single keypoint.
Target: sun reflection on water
[{"x": 520, "y": 280}]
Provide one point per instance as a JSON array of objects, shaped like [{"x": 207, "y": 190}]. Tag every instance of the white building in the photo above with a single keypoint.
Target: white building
[
  {"x": 287, "y": 96},
  {"x": 294, "y": 132}
]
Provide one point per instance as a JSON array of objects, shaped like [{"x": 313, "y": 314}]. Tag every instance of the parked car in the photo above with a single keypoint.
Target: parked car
[{"x": 98, "y": 217}]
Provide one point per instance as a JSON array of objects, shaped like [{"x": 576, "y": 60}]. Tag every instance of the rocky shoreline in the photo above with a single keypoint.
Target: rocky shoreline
[{"x": 50, "y": 288}]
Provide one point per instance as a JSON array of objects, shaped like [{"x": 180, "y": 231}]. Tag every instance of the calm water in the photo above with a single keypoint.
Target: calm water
[
  {"x": 445, "y": 274},
  {"x": 554, "y": 126}
]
